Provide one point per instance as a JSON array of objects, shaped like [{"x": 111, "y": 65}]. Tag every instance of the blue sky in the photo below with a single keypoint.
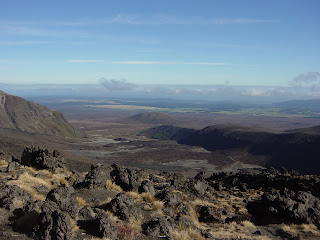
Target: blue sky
[{"x": 237, "y": 42}]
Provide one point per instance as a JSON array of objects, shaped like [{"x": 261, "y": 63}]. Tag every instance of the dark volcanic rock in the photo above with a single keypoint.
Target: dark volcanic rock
[
  {"x": 86, "y": 212},
  {"x": 65, "y": 200},
  {"x": 97, "y": 177},
  {"x": 42, "y": 159},
  {"x": 53, "y": 224},
  {"x": 167, "y": 197},
  {"x": 158, "y": 227},
  {"x": 5, "y": 156},
  {"x": 147, "y": 186},
  {"x": 100, "y": 226},
  {"x": 12, "y": 166},
  {"x": 123, "y": 207},
  {"x": 286, "y": 206},
  {"x": 127, "y": 179},
  {"x": 12, "y": 197},
  {"x": 208, "y": 214}
]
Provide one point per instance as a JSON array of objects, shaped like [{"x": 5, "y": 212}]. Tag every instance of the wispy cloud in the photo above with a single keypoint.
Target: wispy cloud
[
  {"x": 84, "y": 61},
  {"x": 162, "y": 20},
  {"x": 16, "y": 43},
  {"x": 150, "y": 62}
]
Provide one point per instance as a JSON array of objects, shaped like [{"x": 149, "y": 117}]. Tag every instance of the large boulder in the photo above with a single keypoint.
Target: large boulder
[
  {"x": 159, "y": 227},
  {"x": 146, "y": 186},
  {"x": 286, "y": 206},
  {"x": 208, "y": 214},
  {"x": 99, "y": 226},
  {"x": 123, "y": 207},
  {"x": 42, "y": 159},
  {"x": 127, "y": 179},
  {"x": 97, "y": 177},
  {"x": 12, "y": 197},
  {"x": 5, "y": 156},
  {"x": 53, "y": 224},
  {"x": 65, "y": 199}
]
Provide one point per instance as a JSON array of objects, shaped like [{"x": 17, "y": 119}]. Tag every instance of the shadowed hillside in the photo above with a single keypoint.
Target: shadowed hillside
[
  {"x": 295, "y": 150},
  {"x": 153, "y": 118},
  {"x": 18, "y": 113}
]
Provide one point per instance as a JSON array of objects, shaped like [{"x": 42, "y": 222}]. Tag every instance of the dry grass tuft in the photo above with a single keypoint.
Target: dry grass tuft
[
  {"x": 234, "y": 230},
  {"x": 135, "y": 225},
  {"x": 73, "y": 225},
  {"x": 17, "y": 203},
  {"x": 81, "y": 202},
  {"x": 113, "y": 217},
  {"x": 188, "y": 234},
  {"x": 157, "y": 205},
  {"x": 293, "y": 229},
  {"x": 146, "y": 196},
  {"x": 3, "y": 163},
  {"x": 27, "y": 183},
  {"x": 112, "y": 186},
  {"x": 135, "y": 196}
]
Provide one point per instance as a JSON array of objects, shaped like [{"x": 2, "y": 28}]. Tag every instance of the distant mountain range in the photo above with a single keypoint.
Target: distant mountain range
[
  {"x": 18, "y": 113},
  {"x": 297, "y": 149}
]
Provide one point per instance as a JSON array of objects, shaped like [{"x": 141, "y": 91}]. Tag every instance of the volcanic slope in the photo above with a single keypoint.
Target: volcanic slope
[
  {"x": 18, "y": 113},
  {"x": 293, "y": 150},
  {"x": 154, "y": 118}
]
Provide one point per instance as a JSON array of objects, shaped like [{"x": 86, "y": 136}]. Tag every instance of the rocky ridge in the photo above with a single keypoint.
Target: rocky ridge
[
  {"x": 18, "y": 113},
  {"x": 42, "y": 199}
]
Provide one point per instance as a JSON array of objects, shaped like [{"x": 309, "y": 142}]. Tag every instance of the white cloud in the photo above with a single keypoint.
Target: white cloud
[
  {"x": 308, "y": 80},
  {"x": 263, "y": 92},
  {"x": 116, "y": 84}
]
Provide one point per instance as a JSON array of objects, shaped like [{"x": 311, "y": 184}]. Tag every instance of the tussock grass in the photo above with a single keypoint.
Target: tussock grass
[
  {"x": 135, "y": 196},
  {"x": 81, "y": 202},
  {"x": 204, "y": 203},
  {"x": 27, "y": 183},
  {"x": 146, "y": 196},
  {"x": 234, "y": 230},
  {"x": 293, "y": 230},
  {"x": 113, "y": 217},
  {"x": 135, "y": 225},
  {"x": 17, "y": 203},
  {"x": 3, "y": 163},
  {"x": 187, "y": 234},
  {"x": 112, "y": 186},
  {"x": 73, "y": 225}
]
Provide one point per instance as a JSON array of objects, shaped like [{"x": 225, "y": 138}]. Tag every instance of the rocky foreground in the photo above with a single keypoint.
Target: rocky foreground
[{"x": 41, "y": 199}]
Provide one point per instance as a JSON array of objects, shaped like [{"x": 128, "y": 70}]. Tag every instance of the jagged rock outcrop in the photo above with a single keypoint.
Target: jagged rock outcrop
[
  {"x": 123, "y": 207},
  {"x": 286, "y": 206},
  {"x": 13, "y": 197},
  {"x": 42, "y": 159},
  {"x": 64, "y": 198},
  {"x": 96, "y": 177},
  {"x": 53, "y": 224},
  {"x": 158, "y": 227},
  {"x": 127, "y": 179}
]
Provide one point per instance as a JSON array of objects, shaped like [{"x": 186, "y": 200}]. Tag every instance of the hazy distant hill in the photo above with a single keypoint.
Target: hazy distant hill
[
  {"x": 18, "y": 113},
  {"x": 154, "y": 118},
  {"x": 293, "y": 150},
  {"x": 311, "y": 104},
  {"x": 310, "y": 130}
]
